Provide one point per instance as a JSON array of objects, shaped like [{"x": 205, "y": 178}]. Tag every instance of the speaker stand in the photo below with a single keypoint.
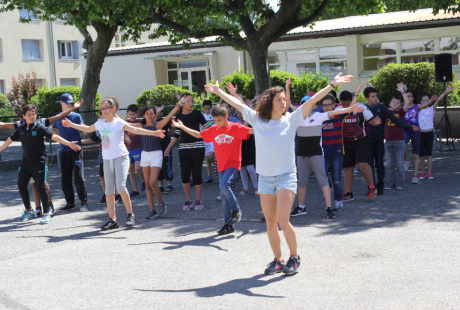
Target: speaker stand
[{"x": 451, "y": 134}]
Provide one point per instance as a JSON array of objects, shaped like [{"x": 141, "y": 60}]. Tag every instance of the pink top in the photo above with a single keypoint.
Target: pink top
[{"x": 425, "y": 118}]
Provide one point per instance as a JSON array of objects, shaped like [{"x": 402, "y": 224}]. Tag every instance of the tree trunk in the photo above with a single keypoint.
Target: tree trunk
[
  {"x": 259, "y": 53},
  {"x": 96, "y": 52}
]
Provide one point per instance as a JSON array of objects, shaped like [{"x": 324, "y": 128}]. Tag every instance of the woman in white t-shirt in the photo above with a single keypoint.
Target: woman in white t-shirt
[
  {"x": 274, "y": 132},
  {"x": 425, "y": 120},
  {"x": 115, "y": 155}
]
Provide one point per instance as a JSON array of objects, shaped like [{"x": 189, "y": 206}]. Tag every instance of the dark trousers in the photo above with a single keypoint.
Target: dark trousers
[
  {"x": 38, "y": 172},
  {"x": 166, "y": 171},
  {"x": 378, "y": 152},
  {"x": 72, "y": 162}
]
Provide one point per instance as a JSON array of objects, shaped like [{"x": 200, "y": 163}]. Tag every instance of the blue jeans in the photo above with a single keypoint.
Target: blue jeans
[
  {"x": 394, "y": 150},
  {"x": 336, "y": 174},
  {"x": 229, "y": 202},
  {"x": 378, "y": 151}
]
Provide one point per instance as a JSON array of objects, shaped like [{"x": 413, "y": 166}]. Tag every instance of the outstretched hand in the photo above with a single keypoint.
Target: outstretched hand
[
  {"x": 358, "y": 108},
  {"x": 435, "y": 97},
  {"x": 359, "y": 88},
  {"x": 177, "y": 123},
  {"x": 74, "y": 146},
  {"x": 211, "y": 88},
  {"x": 232, "y": 89},
  {"x": 158, "y": 109},
  {"x": 78, "y": 104},
  {"x": 288, "y": 83},
  {"x": 159, "y": 133},
  {"x": 448, "y": 90},
  {"x": 400, "y": 87},
  {"x": 177, "y": 96},
  {"x": 339, "y": 79},
  {"x": 66, "y": 122}
]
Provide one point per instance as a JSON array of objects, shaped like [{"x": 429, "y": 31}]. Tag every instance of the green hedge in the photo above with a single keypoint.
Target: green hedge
[
  {"x": 5, "y": 108},
  {"x": 418, "y": 77},
  {"x": 45, "y": 98},
  {"x": 300, "y": 85}
]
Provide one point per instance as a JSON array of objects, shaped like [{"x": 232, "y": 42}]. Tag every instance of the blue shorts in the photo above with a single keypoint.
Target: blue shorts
[
  {"x": 270, "y": 185},
  {"x": 413, "y": 136},
  {"x": 134, "y": 155}
]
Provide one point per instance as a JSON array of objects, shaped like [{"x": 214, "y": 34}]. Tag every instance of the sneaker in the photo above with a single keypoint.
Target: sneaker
[
  {"x": 169, "y": 190},
  {"x": 219, "y": 197},
  {"x": 372, "y": 192},
  {"x": 27, "y": 215},
  {"x": 143, "y": 187},
  {"x": 103, "y": 201},
  {"x": 130, "y": 220},
  {"x": 226, "y": 229},
  {"x": 162, "y": 209},
  {"x": 430, "y": 177},
  {"x": 330, "y": 214},
  {"x": 187, "y": 205},
  {"x": 118, "y": 199},
  {"x": 422, "y": 176},
  {"x": 46, "y": 219},
  {"x": 110, "y": 225},
  {"x": 208, "y": 180},
  {"x": 347, "y": 197},
  {"x": 406, "y": 164},
  {"x": 390, "y": 187},
  {"x": 50, "y": 209},
  {"x": 162, "y": 188},
  {"x": 38, "y": 212},
  {"x": 399, "y": 187},
  {"x": 68, "y": 206},
  {"x": 256, "y": 193},
  {"x": 199, "y": 205},
  {"x": 298, "y": 211},
  {"x": 84, "y": 206},
  {"x": 380, "y": 191},
  {"x": 192, "y": 183},
  {"x": 414, "y": 180},
  {"x": 292, "y": 265},
  {"x": 262, "y": 219},
  {"x": 133, "y": 194},
  {"x": 243, "y": 193},
  {"x": 338, "y": 206},
  {"x": 274, "y": 267},
  {"x": 152, "y": 214},
  {"x": 236, "y": 216}
]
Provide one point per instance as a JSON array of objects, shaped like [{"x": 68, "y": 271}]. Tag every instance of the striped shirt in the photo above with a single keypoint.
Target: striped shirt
[
  {"x": 151, "y": 143},
  {"x": 193, "y": 121},
  {"x": 332, "y": 136}
]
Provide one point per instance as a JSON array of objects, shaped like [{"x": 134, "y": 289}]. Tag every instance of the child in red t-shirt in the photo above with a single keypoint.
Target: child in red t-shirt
[{"x": 227, "y": 138}]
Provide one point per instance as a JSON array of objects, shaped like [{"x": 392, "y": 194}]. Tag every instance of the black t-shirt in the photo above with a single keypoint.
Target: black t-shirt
[
  {"x": 96, "y": 137},
  {"x": 44, "y": 121},
  {"x": 167, "y": 139},
  {"x": 187, "y": 143},
  {"x": 248, "y": 152},
  {"x": 33, "y": 139}
]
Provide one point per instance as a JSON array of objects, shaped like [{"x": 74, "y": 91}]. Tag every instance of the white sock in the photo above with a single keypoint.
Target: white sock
[{"x": 302, "y": 207}]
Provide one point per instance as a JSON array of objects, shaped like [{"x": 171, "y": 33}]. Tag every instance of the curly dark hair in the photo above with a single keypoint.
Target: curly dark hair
[
  {"x": 265, "y": 103},
  {"x": 144, "y": 110}
]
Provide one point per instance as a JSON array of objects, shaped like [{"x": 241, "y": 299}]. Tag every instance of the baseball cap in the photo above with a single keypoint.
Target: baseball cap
[
  {"x": 304, "y": 99},
  {"x": 67, "y": 98}
]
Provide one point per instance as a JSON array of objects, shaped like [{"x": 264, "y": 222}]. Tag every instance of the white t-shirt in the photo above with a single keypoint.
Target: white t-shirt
[
  {"x": 113, "y": 144},
  {"x": 274, "y": 141},
  {"x": 425, "y": 118}
]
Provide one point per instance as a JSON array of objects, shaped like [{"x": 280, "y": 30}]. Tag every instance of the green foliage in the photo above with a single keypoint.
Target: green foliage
[
  {"x": 5, "y": 108},
  {"x": 418, "y": 77},
  {"x": 300, "y": 85},
  {"x": 46, "y": 98},
  {"x": 165, "y": 95},
  {"x": 454, "y": 96},
  {"x": 3, "y": 101}
]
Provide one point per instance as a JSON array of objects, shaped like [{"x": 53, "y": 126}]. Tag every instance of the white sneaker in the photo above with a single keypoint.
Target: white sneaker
[
  {"x": 406, "y": 164},
  {"x": 399, "y": 187},
  {"x": 415, "y": 180},
  {"x": 338, "y": 206},
  {"x": 219, "y": 197}
]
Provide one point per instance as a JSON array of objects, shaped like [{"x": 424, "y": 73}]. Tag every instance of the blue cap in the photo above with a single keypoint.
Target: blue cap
[
  {"x": 67, "y": 98},
  {"x": 305, "y": 99}
]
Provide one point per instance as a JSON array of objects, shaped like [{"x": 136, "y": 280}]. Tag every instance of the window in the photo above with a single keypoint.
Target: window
[
  {"x": 448, "y": 44},
  {"x": 423, "y": 51},
  {"x": 192, "y": 63},
  {"x": 333, "y": 60},
  {"x": 68, "y": 82},
  {"x": 377, "y": 55},
  {"x": 2, "y": 88},
  {"x": 301, "y": 61},
  {"x": 26, "y": 14},
  {"x": 69, "y": 49},
  {"x": 31, "y": 49}
]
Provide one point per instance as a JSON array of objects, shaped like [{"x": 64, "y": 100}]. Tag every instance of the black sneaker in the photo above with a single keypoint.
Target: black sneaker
[
  {"x": 131, "y": 220},
  {"x": 68, "y": 207},
  {"x": 103, "y": 201},
  {"x": 110, "y": 225},
  {"x": 298, "y": 211},
  {"x": 162, "y": 189},
  {"x": 380, "y": 191},
  {"x": 118, "y": 199},
  {"x": 330, "y": 214},
  {"x": 226, "y": 229},
  {"x": 274, "y": 267},
  {"x": 152, "y": 214},
  {"x": 169, "y": 190},
  {"x": 84, "y": 206},
  {"x": 292, "y": 265},
  {"x": 236, "y": 216}
]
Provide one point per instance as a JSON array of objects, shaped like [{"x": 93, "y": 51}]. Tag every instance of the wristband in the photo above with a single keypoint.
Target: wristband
[
  {"x": 332, "y": 85},
  {"x": 403, "y": 92}
]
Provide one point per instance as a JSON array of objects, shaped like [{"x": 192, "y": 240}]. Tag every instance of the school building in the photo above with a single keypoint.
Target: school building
[{"x": 357, "y": 45}]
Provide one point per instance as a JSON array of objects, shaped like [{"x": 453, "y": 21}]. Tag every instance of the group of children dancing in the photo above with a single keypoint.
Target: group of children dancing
[{"x": 276, "y": 143}]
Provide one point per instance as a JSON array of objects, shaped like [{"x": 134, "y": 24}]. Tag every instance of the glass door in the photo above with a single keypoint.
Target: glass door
[
  {"x": 194, "y": 80},
  {"x": 184, "y": 76}
]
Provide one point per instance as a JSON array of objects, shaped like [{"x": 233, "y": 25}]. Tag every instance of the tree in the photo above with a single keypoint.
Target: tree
[
  {"x": 254, "y": 25},
  {"x": 23, "y": 88},
  {"x": 104, "y": 16}
]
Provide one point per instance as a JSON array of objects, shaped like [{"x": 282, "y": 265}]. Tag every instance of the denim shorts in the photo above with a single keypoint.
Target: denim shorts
[{"x": 270, "y": 185}]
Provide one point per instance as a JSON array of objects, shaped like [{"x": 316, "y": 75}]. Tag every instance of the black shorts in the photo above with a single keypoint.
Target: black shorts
[
  {"x": 358, "y": 151},
  {"x": 426, "y": 143},
  {"x": 101, "y": 168}
]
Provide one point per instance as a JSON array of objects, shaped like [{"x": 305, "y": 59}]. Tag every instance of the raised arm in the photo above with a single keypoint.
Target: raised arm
[
  {"x": 144, "y": 132},
  {"x": 233, "y": 91},
  {"x": 338, "y": 80},
  {"x": 447, "y": 91},
  {"x": 6, "y": 144},
  {"x": 428, "y": 103},
  {"x": 288, "y": 95},
  {"x": 356, "y": 94},
  {"x": 158, "y": 110},
  {"x": 400, "y": 87},
  {"x": 170, "y": 145},
  {"x": 84, "y": 128},
  {"x": 168, "y": 117},
  {"x": 65, "y": 113},
  {"x": 214, "y": 89},
  {"x": 73, "y": 145},
  {"x": 356, "y": 108},
  {"x": 193, "y": 133}
]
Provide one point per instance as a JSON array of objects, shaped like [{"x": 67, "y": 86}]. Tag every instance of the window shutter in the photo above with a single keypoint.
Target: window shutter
[
  {"x": 75, "y": 50},
  {"x": 35, "y": 49},
  {"x": 80, "y": 49},
  {"x": 59, "y": 49},
  {"x": 26, "y": 54}
]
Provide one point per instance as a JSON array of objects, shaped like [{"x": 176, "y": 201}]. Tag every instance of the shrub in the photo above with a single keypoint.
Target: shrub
[
  {"x": 418, "y": 77},
  {"x": 23, "y": 88},
  {"x": 300, "y": 85},
  {"x": 46, "y": 98},
  {"x": 5, "y": 108},
  {"x": 165, "y": 95},
  {"x": 454, "y": 96}
]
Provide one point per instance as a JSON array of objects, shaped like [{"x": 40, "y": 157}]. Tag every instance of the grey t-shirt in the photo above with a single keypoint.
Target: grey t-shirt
[{"x": 274, "y": 141}]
